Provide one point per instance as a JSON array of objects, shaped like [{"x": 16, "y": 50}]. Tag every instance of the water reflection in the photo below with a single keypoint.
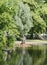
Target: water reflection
[{"x": 34, "y": 55}]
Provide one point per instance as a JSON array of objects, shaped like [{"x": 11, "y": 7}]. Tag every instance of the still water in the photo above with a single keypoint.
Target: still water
[{"x": 33, "y": 55}]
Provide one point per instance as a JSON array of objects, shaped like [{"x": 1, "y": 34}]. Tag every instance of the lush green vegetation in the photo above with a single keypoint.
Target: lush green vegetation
[
  {"x": 17, "y": 19},
  {"x": 14, "y": 20}
]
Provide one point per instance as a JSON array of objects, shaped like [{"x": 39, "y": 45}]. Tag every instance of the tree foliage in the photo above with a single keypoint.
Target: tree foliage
[
  {"x": 23, "y": 20},
  {"x": 16, "y": 18},
  {"x": 8, "y": 29},
  {"x": 38, "y": 11}
]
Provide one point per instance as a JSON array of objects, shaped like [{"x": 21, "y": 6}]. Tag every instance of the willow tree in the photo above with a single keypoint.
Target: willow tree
[{"x": 23, "y": 20}]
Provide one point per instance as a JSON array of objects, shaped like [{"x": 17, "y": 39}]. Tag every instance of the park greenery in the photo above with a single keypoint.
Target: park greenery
[
  {"x": 18, "y": 19},
  {"x": 15, "y": 22}
]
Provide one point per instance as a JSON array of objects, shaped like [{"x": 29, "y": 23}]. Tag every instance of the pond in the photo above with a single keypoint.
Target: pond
[{"x": 33, "y": 55}]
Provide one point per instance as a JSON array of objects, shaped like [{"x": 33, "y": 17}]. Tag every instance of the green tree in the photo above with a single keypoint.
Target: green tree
[
  {"x": 8, "y": 29},
  {"x": 38, "y": 11},
  {"x": 23, "y": 20}
]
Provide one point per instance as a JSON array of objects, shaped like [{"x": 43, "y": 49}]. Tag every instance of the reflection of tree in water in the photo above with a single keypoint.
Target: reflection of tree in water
[
  {"x": 20, "y": 57},
  {"x": 25, "y": 58},
  {"x": 32, "y": 56}
]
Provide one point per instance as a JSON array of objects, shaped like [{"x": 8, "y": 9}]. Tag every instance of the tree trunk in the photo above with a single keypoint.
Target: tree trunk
[
  {"x": 39, "y": 36},
  {"x": 23, "y": 39}
]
